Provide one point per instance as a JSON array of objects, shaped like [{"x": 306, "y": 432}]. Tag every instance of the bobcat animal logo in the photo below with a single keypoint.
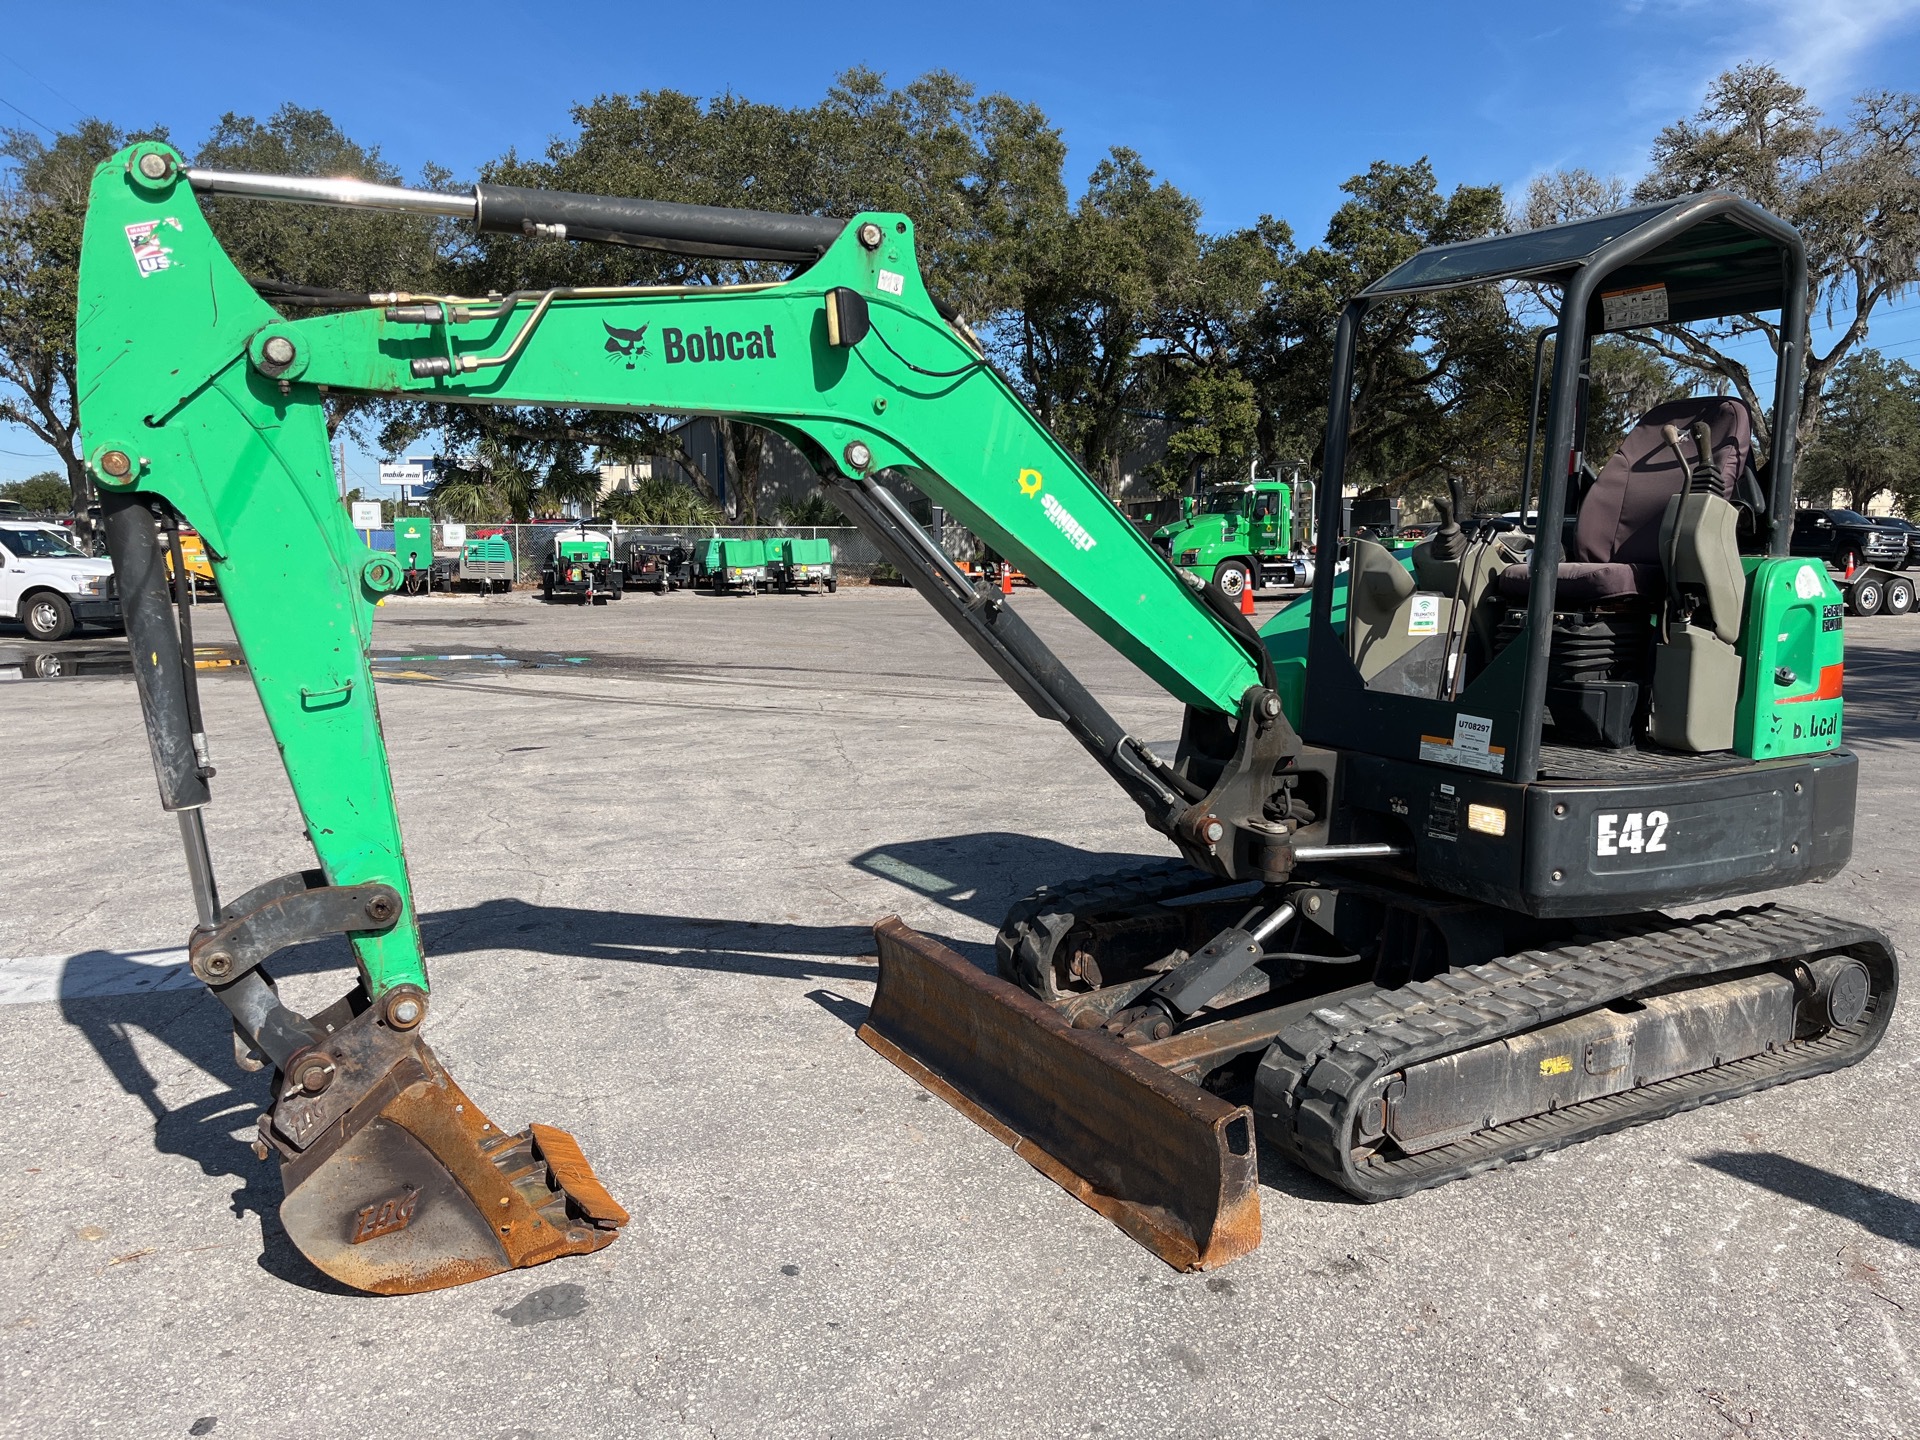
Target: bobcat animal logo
[{"x": 628, "y": 345}]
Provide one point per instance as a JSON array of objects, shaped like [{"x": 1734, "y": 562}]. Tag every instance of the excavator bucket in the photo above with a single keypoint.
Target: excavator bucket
[
  {"x": 397, "y": 1183},
  {"x": 1169, "y": 1163}
]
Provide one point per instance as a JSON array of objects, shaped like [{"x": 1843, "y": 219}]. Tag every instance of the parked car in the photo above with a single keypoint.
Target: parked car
[
  {"x": 49, "y": 584},
  {"x": 1913, "y": 539},
  {"x": 1848, "y": 540}
]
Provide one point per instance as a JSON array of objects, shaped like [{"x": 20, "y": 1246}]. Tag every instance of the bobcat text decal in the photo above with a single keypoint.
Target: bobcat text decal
[{"x": 711, "y": 345}]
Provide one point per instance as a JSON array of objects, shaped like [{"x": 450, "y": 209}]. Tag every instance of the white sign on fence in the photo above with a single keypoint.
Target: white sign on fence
[
  {"x": 405, "y": 472},
  {"x": 452, "y": 535},
  {"x": 366, "y": 514}
]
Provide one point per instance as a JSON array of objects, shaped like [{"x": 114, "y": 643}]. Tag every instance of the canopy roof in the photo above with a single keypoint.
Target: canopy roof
[{"x": 1716, "y": 254}]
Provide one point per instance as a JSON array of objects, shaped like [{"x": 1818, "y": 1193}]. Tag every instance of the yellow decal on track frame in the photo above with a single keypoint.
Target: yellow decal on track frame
[{"x": 1557, "y": 1065}]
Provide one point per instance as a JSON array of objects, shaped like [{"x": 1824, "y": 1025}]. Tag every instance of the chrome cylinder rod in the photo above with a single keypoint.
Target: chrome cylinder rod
[
  {"x": 1273, "y": 922},
  {"x": 1348, "y": 852},
  {"x": 206, "y": 894},
  {"x": 310, "y": 190}
]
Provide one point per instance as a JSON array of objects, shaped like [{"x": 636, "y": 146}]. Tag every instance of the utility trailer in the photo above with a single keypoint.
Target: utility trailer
[
  {"x": 654, "y": 565},
  {"x": 580, "y": 567},
  {"x": 796, "y": 564},
  {"x": 743, "y": 566},
  {"x": 421, "y": 570},
  {"x": 486, "y": 561},
  {"x": 1870, "y": 590}
]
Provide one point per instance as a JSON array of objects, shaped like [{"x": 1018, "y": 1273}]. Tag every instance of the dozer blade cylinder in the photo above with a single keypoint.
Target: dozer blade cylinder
[{"x": 1169, "y": 1163}]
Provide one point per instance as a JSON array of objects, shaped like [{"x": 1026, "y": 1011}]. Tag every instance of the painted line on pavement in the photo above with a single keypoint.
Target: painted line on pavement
[{"x": 44, "y": 979}]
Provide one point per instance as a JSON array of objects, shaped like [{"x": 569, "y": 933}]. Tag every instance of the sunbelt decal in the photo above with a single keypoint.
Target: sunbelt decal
[{"x": 1031, "y": 483}]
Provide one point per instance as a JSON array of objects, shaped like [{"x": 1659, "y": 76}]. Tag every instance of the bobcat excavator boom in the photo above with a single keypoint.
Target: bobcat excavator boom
[{"x": 202, "y": 404}]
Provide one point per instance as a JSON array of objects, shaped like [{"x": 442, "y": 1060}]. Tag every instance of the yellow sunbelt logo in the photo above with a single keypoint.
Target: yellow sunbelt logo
[{"x": 1031, "y": 482}]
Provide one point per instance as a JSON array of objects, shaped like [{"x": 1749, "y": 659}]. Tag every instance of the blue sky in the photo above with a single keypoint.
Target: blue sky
[{"x": 1253, "y": 108}]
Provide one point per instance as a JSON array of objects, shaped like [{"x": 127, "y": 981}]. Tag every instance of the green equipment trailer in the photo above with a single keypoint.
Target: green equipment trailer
[
  {"x": 580, "y": 566},
  {"x": 487, "y": 561},
  {"x": 801, "y": 564},
  {"x": 742, "y": 567},
  {"x": 1235, "y": 536},
  {"x": 413, "y": 549}
]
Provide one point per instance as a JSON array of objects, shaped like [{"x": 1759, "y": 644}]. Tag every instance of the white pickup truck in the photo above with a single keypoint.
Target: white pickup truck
[{"x": 49, "y": 584}]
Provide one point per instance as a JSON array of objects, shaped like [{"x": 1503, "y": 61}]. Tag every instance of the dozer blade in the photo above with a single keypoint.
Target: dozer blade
[
  {"x": 397, "y": 1183},
  {"x": 1168, "y": 1162}
]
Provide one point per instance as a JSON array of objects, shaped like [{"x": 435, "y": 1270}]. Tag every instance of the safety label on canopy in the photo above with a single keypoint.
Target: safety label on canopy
[
  {"x": 1471, "y": 746},
  {"x": 1642, "y": 305}
]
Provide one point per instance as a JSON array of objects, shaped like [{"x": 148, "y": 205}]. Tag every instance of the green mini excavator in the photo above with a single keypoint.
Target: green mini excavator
[{"x": 1430, "y": 825}]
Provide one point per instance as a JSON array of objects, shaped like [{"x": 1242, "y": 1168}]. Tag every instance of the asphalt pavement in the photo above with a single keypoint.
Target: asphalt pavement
[{"x": 648, "y": 841}]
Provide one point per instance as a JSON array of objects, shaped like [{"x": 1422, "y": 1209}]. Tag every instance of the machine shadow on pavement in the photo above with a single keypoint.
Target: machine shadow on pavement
[
  {"x": 202, "y": 1130},
  {"x": 981, "y": 875},
  {"x": 976, "y": 875},
  {"x": 1881, "y": 1212}
]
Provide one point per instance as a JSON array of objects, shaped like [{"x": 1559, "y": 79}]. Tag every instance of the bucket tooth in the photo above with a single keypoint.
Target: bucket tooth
[
  {"x": 397, "y": 1183},
  {"x": 1168, "y": 1162}
]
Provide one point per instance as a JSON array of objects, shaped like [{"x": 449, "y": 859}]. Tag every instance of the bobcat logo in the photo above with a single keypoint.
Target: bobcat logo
[{"x": 628, "y": 345}]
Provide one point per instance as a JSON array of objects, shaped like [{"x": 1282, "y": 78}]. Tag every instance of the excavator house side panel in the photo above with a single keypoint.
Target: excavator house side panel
[{"x": 1168, "y": 1162}]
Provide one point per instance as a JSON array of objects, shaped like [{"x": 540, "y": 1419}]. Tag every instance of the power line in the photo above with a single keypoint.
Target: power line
[
  {"x": 43, "y": 84},
  {"x": 37, "y": 124}
]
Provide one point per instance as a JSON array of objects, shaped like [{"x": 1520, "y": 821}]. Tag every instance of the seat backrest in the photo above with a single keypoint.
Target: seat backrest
[{"x": 1620, "y": 516}]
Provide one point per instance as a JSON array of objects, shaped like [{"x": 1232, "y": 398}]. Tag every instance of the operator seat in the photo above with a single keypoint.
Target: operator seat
[{"x": 1616, "y": 554}]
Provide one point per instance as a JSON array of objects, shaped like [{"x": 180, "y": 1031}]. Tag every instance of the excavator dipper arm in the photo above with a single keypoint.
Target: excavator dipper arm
[{"x": 200, "y": 402}]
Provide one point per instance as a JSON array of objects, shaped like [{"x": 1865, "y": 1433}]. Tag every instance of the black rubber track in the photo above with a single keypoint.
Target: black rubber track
[{"x": 1316, "y": 1076}]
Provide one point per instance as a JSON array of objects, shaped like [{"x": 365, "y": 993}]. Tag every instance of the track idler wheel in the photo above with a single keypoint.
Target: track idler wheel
[{"x": 397, "y": 1183}]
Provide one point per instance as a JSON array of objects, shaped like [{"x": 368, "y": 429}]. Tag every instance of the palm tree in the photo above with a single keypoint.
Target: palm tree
[{"x": 661, "y": 501}]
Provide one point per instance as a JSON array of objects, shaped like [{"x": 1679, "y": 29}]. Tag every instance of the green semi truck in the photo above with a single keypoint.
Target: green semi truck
[{"x": 1234, "y": 536}]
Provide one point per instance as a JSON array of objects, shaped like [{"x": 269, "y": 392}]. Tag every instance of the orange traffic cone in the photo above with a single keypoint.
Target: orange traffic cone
[
  {"x": 1006, "y": 579},
  {"x": 1246, "y": 599}
]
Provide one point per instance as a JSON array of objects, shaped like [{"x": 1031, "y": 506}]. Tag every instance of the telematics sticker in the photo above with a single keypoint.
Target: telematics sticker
[
  {"x": 1425, "y": 617},
  {"x": 1642, "y": 305},
  {"x": 891, "y": 283},
  {"x": 1471, "y": 746}
]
